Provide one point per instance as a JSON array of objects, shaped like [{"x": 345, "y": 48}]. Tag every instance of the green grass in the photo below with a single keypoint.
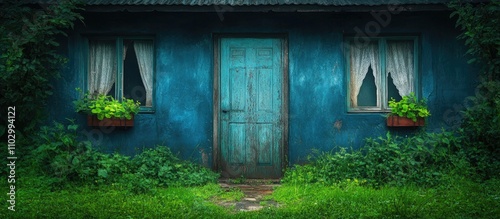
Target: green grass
[
  {"x": 110, "y": 202},
  {"x": 233, "y": 194},
  {"x": 464, "y": 199},
  {"x": 458, "y": 199}
]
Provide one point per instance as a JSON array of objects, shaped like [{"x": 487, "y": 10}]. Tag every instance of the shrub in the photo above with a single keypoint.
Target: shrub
[
  {"x": 138, "y": 183},
  {"x": 422, "y": 159},
  {"x": 63, "y": 158},
  {"x": 60, "y": 155},
  {"x": 481, "y": 128},
  {"x": 481, "y": 124},
  {"x": 111, "y": 168},
  {"x": 29, "y": 58},
  {"x": 479, "y": 26},
  {"x": 162, "y": 166}
]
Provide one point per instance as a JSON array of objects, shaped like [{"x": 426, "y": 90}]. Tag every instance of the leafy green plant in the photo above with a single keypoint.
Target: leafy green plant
[
  {"x": 409, "y": 107},
  {"x": 162, "y": 166},
  {"x": 481, "y": 129},
  {"x": 29, "y": 58},
  {"x": 62, "y": 156},
  {"x": 105, "y": 106},
  {"x": 239, "y": 180},
  {"x": 422, "y": 159},
  {"x": 232, "y": 194},
  {"x": 138, "y": 183},
  {"x": 480, "y": 25},
  {"x": 111, "y": 168}
]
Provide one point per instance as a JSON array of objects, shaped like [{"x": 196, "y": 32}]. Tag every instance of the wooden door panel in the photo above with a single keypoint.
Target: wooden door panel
[
  {"x": 265, "y": 144},
  {"x": 250, "y": 111},
  {"x": 237, "y": 135},
  {"x": 238, "y": 94},
  {"x": 264, "y": 82}
]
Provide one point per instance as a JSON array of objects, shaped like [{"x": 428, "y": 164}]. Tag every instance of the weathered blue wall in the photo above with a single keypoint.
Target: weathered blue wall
[{"x": 317, "y": 77}]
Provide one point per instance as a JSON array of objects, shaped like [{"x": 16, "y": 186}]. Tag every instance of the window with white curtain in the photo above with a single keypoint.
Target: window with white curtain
[
  {"x": 122, "y": 67},
  {"x": 380, "y": 69}
]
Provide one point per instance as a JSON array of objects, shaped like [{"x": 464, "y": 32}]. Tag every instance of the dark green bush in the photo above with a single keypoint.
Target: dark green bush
[
  {"x": 481, "y": 129},
  {"x": 479, "y": 24},
  {"x": 29, "y": 57},
  {"x": 111, "y": 168},
  {"x": 137, "y": 183},
  {"x": 481, "y": 123},
  {"x": 62, "y": 157},
  {"x": 422, "y": 159},
  {"x": 161, "y": 165}
]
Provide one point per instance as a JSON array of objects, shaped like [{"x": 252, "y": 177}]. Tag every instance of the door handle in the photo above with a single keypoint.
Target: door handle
[{"x": 225, "y": 111}]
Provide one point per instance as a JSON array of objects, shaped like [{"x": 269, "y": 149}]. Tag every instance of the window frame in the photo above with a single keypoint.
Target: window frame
[
  {"x": 382, "y": 45},
  {"x": 119, "y": 66}
]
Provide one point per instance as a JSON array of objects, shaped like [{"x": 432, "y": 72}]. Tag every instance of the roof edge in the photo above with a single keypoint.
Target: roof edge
[{"x": 270, "y": 8}]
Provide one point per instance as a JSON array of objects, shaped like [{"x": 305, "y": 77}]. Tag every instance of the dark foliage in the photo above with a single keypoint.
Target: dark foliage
[
  {"x": 480, "y": 25},
  {"x": 425, "y": 159},
  {"x": 66, "y": 160},
  {"x": 29, "y": 58}
]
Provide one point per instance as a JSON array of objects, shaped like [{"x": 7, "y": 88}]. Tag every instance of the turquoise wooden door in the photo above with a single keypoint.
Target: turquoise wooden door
[{"x": 251, "y": 95}]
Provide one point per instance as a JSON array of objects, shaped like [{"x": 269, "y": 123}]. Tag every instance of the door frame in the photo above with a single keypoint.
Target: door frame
[{"x": 283, "y": 37}]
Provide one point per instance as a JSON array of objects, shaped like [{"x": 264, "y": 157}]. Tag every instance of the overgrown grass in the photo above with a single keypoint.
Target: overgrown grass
[
  {"x": 233, "y": 194},
  {"x": 461, "y": 198},
  {"x": 64, "y": 160},
  {"x": 424, "y": 159},
  {"x": 114, "y": 202}
]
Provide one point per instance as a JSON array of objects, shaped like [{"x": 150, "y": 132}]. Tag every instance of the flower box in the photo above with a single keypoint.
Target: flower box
[
  {"x": 116, "y": 122},
  {"x": 104, "y": 110},
  {"x": 397, "y": 121},
  {"x": 408, "y": 112}
]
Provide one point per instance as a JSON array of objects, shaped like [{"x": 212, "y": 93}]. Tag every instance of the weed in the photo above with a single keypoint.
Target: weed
[
  {"x": 422, "y": 159},
  {"x": 62, "y": 158},
  {"x": 60, "y": 155},
  {"x": 239, "y": 180},
  {"x": 160, "y": 165},
  {"x": 233, "y": 194}
]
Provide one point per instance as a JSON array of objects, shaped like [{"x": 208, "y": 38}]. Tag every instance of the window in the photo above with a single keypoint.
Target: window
[
  {"x": 380, "y": 69},
  {"x": 122, "y": 67}
]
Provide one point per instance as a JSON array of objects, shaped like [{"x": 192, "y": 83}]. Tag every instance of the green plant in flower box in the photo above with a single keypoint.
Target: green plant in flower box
[
  {"x": 409, "y": 107},
  {"x": 105, "y": 106}
]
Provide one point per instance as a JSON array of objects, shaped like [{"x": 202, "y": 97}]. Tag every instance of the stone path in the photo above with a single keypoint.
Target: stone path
[{"x": 254, "y": 190}]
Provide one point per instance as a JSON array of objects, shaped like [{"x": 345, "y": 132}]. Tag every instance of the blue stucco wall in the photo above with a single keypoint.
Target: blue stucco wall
[{"x": 183, "y": 117}]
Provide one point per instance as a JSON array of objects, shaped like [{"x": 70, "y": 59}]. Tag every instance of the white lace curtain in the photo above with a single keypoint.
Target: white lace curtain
[
  {"x": 144, "y": 52},
  {"x": 102, "y": 55},
  {"x": 362, "y": 57},
  {"x": 400, "y": 65}
]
